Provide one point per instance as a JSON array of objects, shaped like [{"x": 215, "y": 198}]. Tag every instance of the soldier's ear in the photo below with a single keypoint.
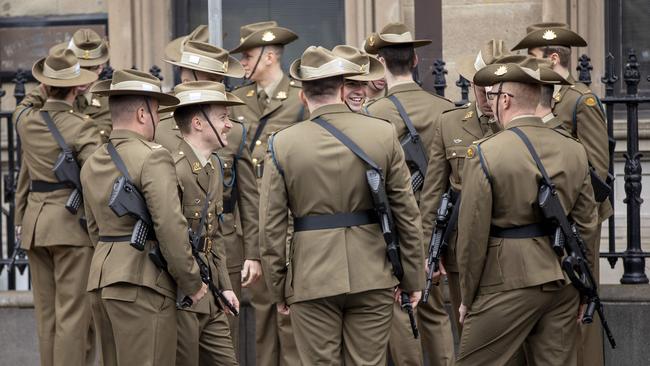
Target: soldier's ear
[
  {"x": 416, "y": 59},
  {"x": 303, "y": 98}
]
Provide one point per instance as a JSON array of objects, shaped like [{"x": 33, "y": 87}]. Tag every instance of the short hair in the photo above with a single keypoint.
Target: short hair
[
  {"x": 278, "y": 49},
  {"x": 546, "y": 95},
  {"x": 184, "y": 115},
  {"x": 563, "y": 52},
  {"x": 57, "y": 92},
  {"x": 321, "y": 89},
  {"x": 526, "y": 96},
  {"x": 400, "y": 59},
  {"x": 123, "y": 105}
]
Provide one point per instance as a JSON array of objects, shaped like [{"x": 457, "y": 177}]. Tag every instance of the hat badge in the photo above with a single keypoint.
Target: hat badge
[
  {"x": 502, "y": 70},
  {"x": 225, "y": 66},
  {"x": 549, "y": 35},
  {"x": 241, "y": 40},
  {"x": 268, "y": 36},
  {"x": 86, "y": 54},
  {"x": 371, "y": 40}
]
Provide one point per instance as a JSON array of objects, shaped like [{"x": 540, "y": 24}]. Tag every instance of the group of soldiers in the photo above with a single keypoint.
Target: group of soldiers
[{"x": 145, "y": 213}]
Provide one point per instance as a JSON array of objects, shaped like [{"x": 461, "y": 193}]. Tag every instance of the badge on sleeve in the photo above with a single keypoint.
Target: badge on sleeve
[
  {"x": 590, "y": 101},
  {"x": 470, "y": 153}
]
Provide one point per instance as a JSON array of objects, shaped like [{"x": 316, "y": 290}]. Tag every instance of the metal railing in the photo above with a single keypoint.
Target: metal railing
[{"x": 633, "y": 257}]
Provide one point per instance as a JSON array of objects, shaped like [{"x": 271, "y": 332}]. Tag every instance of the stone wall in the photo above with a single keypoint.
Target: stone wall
[{"x": 16, "y": 8}]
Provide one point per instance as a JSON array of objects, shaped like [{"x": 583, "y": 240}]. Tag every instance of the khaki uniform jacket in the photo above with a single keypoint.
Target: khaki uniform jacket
[
  {"x": 421, "y": 106},
  {"x": 312, "y": 173},
  {"x": 455, "y": 131},
  {"x": 243, "y": 220},
  {"x": 98, "y": 110},
  {"x": 500, "y": 187},
  {"x": 152, "y": 169},
  {"x": 283, "y": 110},
  {"x": 592, "y": 129},
  {"x": 45, "y": 220},
  {"x": 195, "y": 183}
]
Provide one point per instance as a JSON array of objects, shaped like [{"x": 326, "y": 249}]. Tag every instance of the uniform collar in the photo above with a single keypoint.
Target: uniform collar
[
  {"x": 548, "y": 117},
  {"x": 526, "y": 120},
  {"x": 202, "y": 159},
  {"x": 271, "y": 88},
  {"x": 559, "y": 90},
  {"x": 126, "y": 134},
  {"x": 403, "y": 87},
  {"x": 328, "y": 109},
  {"x": 56, "y": 105}
]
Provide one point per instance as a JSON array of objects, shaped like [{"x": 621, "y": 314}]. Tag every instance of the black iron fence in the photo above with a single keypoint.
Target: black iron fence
[{"x": 633, "y": 257}]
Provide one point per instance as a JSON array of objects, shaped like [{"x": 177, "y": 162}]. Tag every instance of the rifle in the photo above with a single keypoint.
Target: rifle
[
  {"x": 438, "y": 244},
  {"x": 380, "y": 202},
  {"x": 14, "y": 255},
  {"x": 127, "y": 200},
  {"x": 567, "y": 240}
]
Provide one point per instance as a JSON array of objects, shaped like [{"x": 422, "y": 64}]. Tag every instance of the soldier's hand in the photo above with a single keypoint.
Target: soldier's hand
[
  {"x": 232, "y": 299},
  {"x": 463, "y": 313},
  {"x": 251, "y": 272},
  {"x": 18, "y": 231},
  {"x": 435, "y": 276},
  {"x": 200, "y": 293},
  {"x": 283, "y": 308},
  {"x": 414, "y": 297},
  {"x": 581, "y": 312}
]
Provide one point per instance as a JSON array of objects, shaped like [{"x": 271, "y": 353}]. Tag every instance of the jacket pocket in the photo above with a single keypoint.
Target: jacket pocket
[
  {"x": 456, "y": 158},
  {"x": 492, "y": 272}
]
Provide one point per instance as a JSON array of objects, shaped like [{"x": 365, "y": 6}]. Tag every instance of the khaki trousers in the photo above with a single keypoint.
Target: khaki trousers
[
  {"x": 274, "y": 338},
  {"x": 345, "y": 329},
  {"x": 436, "y": 339},
  {"x": 61, "y": 304},
  {"x": 590, "y": 336},
  {"x": 233, "y": 322},
  {"x": 498, "y": 325},
  {"x": 204, "y": 339},
  {"x": 136, "y": 326}
]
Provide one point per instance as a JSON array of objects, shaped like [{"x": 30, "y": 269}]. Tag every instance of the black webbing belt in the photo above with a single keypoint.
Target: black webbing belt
[
  {"x": 535, "y": 229},
  {"x": 115, "y": 238},
  {"x": 344, "y": 219},
  {"x": 258, "y": 131},
  {"x": 405, "y": 117},
  {"x": 348, "y": 219},
  {"x": 42, "y": 186}
]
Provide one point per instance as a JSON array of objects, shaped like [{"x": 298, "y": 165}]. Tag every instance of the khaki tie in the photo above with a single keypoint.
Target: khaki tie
[{"x": 261, "y": 100}]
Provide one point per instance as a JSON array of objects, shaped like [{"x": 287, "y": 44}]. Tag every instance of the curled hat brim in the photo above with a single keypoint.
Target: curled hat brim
[
  {"x": 510, "y": 72},
  {"x": 376, "y": 71},
  {"x": 553, "y": 77},
  {"x": 235, "y": 69},
  {"x": 294, "y": 71},
  {"x": 381, "y": 43},
  {"x": 103, "y": 88},
  {"x": 82, "y": 61},
  {"x": 562, "y": 37},
  {"x": 85, "y": 77},
  {"x": 231, "y": 99},
  {"x": 173, "y": 48},
  {"x": 466, "y": 67},
  {"x": 282, "y": 36}
]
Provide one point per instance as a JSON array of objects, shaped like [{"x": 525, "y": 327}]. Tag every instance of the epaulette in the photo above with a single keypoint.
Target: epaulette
[
  {"x": 25, "y": 109},
  {"x": 178, "y": 156},
  {"x": 244, "y": 84},
  {"x": 482, "y": 140},
  {"x": 272, "y": 151},
  {"x": 438, "y": 96},
  {"x": 377, "y": 118},
  {"x": 295, "y": 83},
  {"x": 474, "y": 150},
  {"x": 83, "y": 116},
  {"x": 151, "y": 145},
  {"x": 457, "y": 108},
  {"x": 565, "y": 133}
]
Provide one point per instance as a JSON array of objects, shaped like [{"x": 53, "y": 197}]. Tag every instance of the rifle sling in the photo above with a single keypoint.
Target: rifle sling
[
  {"x": 405, "y": 117},
  {"x": 453, "y": 218},
  {"x": 258, "y": 131},
  {"x": 55, "y": 132}
]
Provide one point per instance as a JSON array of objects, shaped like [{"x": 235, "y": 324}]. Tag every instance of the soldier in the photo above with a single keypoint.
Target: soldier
[
  {"x": 354, "y": 87},
  {"x": 174, "y": 49},
  {"x": 580, "y": 110},
  {"x": 455, "y": 131},
  {"x": 128, "y": 290},
  {"x": 203, "y": 334},
  {"x": 512, "y": 286},
  {"x": 405, "y": 99},
  {"x": 238, "y": 229},
  {"x": 58, "y": 247},
  {"x": 336, "y": 282},
  {"x": 272, "y": 103}
]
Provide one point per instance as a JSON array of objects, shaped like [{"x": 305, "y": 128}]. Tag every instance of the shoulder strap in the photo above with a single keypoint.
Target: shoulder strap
[
  {"x": 55, "y": 132},
  {"x": 404, "y": 115},
  {"x": 258, "y": 131},
  {"x": 117, "y": 160},
  {"x": 348, "y": 143},
  {"x": 533, "y": 153},
  {"x": 574, "y": 119}
]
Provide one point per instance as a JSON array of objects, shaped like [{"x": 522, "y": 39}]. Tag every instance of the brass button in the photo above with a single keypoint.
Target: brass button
[
  {"x": 209, "y": 202},
  {"x": 258, "y": 142},
  {"x": 209, "y": 226},
  {"x": 209, "y": 214},
  {"x": 196, "y": 214},
  {"x": 453, "y": 154},
  {"x": 102, "y": 132},
  {"x": 254, "y": 160},
  {"x": 225, "y": 165}
]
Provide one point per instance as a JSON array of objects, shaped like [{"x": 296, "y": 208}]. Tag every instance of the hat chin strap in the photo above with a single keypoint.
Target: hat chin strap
[
  {"x": 256, "y": 63},
  {"x": 497, "y": 103},
  {"x": 146, "y": 101},
  {"x": 205, "y": 115}
]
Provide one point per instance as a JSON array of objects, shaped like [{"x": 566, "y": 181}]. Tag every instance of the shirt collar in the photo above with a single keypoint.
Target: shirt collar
[
  {"x": 270, "y": 89},
  {"x": 330, "y": 108},
  {"x": 202, "y": 159}
]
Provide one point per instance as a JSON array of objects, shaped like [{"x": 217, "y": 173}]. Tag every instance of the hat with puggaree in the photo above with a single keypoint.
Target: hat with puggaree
[
  {"x": 320, "y": 63},
  {"x": 527, "y": 72},
  {"x": 174, "y": 48},
  {"x": 550, "y": 34},
  {"x": 372, "y": 68},
  {"x": 205, "y": 57},
  {"x": 546, "y": 72},
  {"x": 489, "y": 52},
  {"x": 62, "y": 69},
  {"x": 89, "y": 47},
  {"x": 133, "y": 82},
  {"x": 202, "y": 92},
  {"x": 263, "y": 34},
  {"x": 392, "y": 34}
]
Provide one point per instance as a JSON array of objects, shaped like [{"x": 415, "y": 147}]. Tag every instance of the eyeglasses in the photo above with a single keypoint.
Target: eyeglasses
[{"x": 491, "y": 95}]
